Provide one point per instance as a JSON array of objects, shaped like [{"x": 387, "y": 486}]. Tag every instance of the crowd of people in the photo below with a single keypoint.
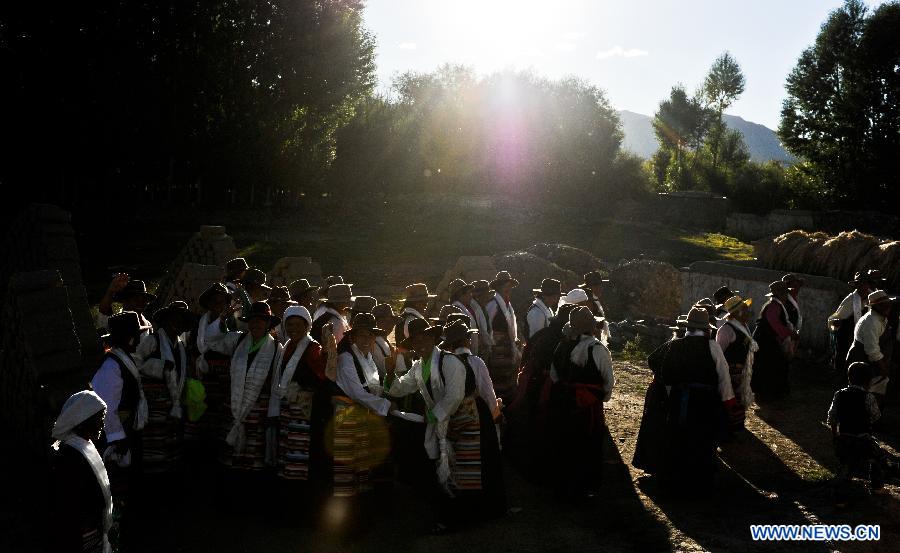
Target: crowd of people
[{"x": 336, "y": 395}]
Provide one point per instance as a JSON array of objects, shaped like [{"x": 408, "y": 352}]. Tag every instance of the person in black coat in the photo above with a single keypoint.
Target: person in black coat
[{"x": 80, "y": 503}]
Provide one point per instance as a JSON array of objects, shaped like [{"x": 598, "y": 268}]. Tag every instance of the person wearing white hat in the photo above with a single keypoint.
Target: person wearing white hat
[
  {"x": 740, "y": 348},
  {"x": 300, "y": 403},
  {"x": 583, "y": 380},
  {"x": 81, "y": 505},
  {"x": 696, "y": 376},
  {"x": 867, "y": 341}
]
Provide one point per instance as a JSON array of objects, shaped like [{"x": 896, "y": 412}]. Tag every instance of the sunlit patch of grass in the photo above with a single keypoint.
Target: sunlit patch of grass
[{"x": 726, "y": 247}]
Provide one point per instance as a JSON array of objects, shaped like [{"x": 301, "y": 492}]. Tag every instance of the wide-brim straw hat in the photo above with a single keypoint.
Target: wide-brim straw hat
[
  {"x": 418, "y": 292},
  {"x": 340, "y": 294},
  {"x": 481, "y": 286},
  {"x": 503, "y": 278},
  {"x": 880, "y": 296},
  {"x": 734, "y": 304},
  {"x": 261, "y": 310},
  {"x": 698, "y": 319},
  {"x": 329, "y": 282},
  {"x": 458, "y": 287}
]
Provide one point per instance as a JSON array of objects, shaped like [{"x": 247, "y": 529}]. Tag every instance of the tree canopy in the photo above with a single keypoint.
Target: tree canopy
[{"x": 842, "y": 111}]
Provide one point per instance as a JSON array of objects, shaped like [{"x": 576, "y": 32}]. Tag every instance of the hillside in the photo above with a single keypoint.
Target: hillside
[{"x": 762, "y": 141}]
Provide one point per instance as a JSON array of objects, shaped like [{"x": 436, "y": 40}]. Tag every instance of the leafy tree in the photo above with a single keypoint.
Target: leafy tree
[
  {"x": 680, "y": 124},
  {"x": 842, "y": 111},
  {"x": 723, "y": 85}
]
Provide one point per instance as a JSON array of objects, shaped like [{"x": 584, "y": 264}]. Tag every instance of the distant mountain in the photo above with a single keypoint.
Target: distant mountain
[{"x": 762, "y": 141}]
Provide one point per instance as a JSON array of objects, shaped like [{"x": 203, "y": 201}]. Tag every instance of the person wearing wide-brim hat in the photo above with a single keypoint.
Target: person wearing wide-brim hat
[
  {"x": 254, "y": 282},
  {"x": 118, "y": 383},
  {"x": 472, "y": 430},
  {"x": 415, "y": 303},
  {"x": 235, "y": 270},
  {"x": 300, "y": 403},
  {"x": 795, "y": 314},
  {"x": 583, "y": 380},
  {"x": 696, "y": 372},
  {"x": 440, "y": 378},
  {"x": 842, "y": 322},
  {"x": 329, "y": 281},
  {"x": 253, "y": 353},
  {"x": 213, "y": 301},
  {"x": 720, "y": 296},
  {"x": 304, "y": 293},
  {"x": 462, "y": 294},
  {"x": 593, "y": 284},
  {"x": 334, "y": 311},
  {"x": 382, "y": 350},
  {"x": 867, "y": 336},
  {"x": 362, "y": 304},
  {"x": 481, "y": 296},
  {"x": 542, "y": 308},
  {"x": 80, "y": 501},
  {"x": 131, "y": 293},
  {"x": 279, "y": 300},
  {"x": 505, "y": 355},
  {"x": 739, "y": 347},
  {"x": 163, "y": 361},
  {"x": 776, "y": 336},
  {"x": 359, "y": 411}
]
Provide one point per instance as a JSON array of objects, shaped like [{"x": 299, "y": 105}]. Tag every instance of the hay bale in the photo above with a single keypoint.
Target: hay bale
[
  {"x": 785, "y": 247},
  {"x": 889, "y": 262},
  {"x": 567, "y": 257},
  {"x": 840, "y": 256},
  {"x": 644, "y": 288}
]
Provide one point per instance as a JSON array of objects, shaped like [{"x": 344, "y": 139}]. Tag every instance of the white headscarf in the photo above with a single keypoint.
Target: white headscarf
[{"x": 78, "y": 408}]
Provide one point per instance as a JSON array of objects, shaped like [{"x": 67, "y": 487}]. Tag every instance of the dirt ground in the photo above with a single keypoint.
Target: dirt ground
[{"x": 778, "y": 472}]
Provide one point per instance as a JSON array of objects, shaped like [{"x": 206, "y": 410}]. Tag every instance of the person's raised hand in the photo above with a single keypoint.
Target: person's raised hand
[{"x": 118, "y": 282}]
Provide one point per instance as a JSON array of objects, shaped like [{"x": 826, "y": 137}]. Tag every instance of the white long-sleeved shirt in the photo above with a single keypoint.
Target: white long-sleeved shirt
[
  {"x": 108, "y": 384},
  {"x": 348, "y": 380},
  {"x": 484, "y": 386},
  {"x": 538, "y": 316},
  {"x": 447, "y": 393},
  {"x": 851, "y": 306},
  {"x": 603, "y": 362},
  {"x": 868, "y": 332}
]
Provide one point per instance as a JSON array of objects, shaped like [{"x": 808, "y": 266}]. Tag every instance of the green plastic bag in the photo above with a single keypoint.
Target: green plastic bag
[{"x": 195, "y": 397}]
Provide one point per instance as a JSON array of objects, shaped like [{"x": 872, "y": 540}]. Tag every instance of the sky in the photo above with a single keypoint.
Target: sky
[{"x": 635, "y": 50}]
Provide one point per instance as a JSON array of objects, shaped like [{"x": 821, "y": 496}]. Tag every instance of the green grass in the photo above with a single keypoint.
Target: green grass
[{"x": 725, "y": 247}]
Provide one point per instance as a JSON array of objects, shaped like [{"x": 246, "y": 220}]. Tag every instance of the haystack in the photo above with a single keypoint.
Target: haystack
[
  {"x": 643, "y": 288},
  {"x": 530, "y": 270},
  {"x": 567, "y": 257},
  {"x": 840, "y": 257}
]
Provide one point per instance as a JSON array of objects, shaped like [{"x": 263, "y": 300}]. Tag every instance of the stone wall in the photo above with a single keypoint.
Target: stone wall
[
  {"x": 818, "y": 299},
  {"x": 748, "y": 226}
]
